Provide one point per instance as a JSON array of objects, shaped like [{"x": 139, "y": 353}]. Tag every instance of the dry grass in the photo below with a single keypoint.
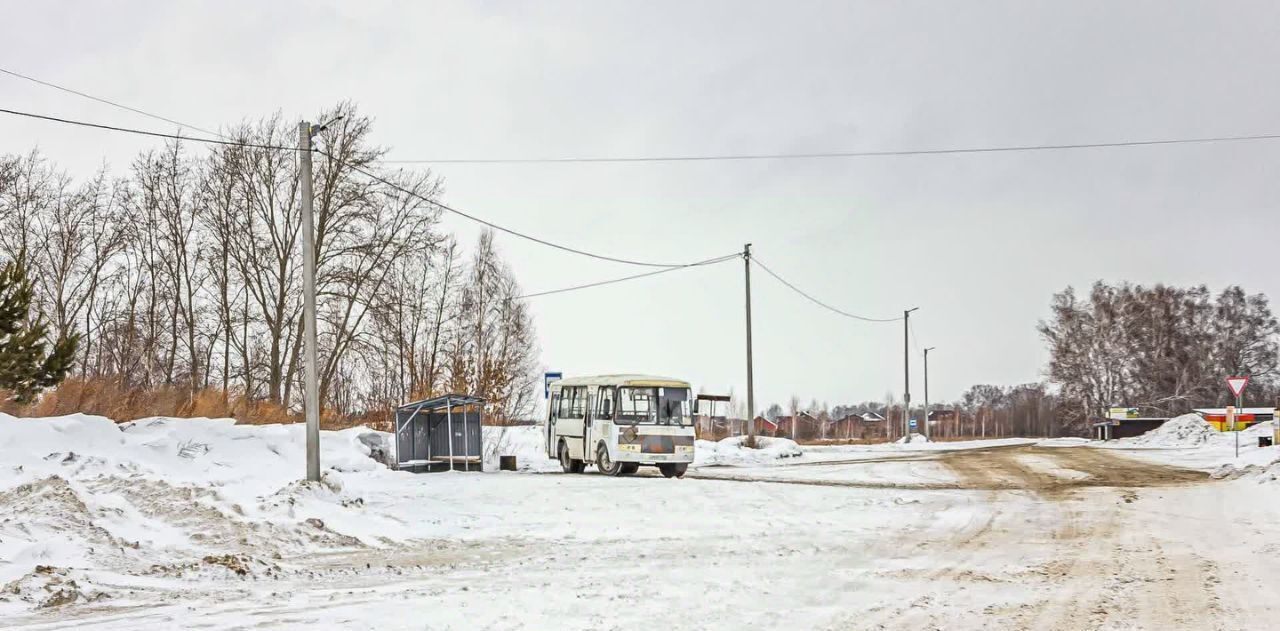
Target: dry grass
[{"x": 109, "y": 398}]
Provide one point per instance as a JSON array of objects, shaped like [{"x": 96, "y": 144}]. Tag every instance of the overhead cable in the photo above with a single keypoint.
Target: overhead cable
[
  {"x": 838, "y": 154},
  {"x": 367, "y": 173},
  {"x": 109, "y": 102},
  {"x": 719, "y": 259},
  {"x": 815, "y": 301}
]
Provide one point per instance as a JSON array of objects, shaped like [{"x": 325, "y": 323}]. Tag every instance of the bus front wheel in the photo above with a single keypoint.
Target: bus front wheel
[
  {"x": 567, "y": 464},
  {"x": 605, "y": 464},
  {"x": 673, "y": 470}
]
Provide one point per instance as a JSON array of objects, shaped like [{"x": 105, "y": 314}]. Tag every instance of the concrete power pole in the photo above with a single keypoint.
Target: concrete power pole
[
  {"x": 311, "y": 402},
  {"x": 906, "y": 374},
  {"x": 751, "y": 385},
  {"x": 926, "y": 392}
]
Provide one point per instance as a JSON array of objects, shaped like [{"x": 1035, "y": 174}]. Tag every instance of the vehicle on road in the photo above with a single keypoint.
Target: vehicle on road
[{"x": 620, "y": 422}]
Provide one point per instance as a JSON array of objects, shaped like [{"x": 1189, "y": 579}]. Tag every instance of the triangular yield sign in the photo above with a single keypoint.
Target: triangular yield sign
[{"x": 1237, "y": 384}]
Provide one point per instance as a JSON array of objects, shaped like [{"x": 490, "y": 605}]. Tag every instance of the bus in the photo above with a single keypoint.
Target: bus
[{"x": 620, "y": 422}]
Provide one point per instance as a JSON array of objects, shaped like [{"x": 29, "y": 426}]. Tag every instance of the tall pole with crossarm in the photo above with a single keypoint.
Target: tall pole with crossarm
[
  {"x": 311, "y": 401},
  {"x": 906, "y": 374},
  {"x": 926, "y": 391}
]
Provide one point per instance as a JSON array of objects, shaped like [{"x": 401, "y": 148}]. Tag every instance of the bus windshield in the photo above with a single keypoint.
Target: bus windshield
[{"x": 662, "y": 406}]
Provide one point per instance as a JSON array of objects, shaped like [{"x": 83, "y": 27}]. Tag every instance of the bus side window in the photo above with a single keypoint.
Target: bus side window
[
  {"x": 606, "y": 403},
  {"x": 579, "y": 403}
]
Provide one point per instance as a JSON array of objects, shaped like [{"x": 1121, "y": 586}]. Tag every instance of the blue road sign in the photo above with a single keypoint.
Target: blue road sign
[{"x": 547, "y": 378}]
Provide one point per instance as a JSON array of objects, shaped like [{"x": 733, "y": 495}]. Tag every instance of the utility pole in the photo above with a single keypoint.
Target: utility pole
[
  {"x": 906, "y": 374},
  {"x": 926, "y": 391},
  {"x": 311, "y": 402},
  {"x": 751, "y": 385}
]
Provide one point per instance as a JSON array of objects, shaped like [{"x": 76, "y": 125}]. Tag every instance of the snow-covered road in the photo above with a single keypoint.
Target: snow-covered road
[{"x": 1011, "y": 535}]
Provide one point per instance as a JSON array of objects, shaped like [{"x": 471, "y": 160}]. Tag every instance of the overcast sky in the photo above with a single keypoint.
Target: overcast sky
[{"x": 978, "y": 242}]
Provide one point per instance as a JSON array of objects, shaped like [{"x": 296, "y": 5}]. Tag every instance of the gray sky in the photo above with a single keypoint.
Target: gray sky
[{"x": 978, "y": 242}]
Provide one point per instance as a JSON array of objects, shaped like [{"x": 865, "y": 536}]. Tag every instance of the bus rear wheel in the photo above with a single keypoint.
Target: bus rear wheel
[
  {"x": 673, "y": 470},
  {"x": 606, "y": 465},
  {"x": 567, "y": 464}
]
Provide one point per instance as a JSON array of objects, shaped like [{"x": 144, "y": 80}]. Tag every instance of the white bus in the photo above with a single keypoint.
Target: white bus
[{"x": 619, "y": 422}]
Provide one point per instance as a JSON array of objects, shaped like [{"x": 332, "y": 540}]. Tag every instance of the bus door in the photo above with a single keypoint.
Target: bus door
[
  {"x": 603, "y": 411},
  {"x": 588, "y": 455},
  {"x": 553, "y": 409}
]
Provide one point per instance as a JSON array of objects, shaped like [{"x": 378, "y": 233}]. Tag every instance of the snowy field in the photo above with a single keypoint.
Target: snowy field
[{"x": 167, "y": 523}]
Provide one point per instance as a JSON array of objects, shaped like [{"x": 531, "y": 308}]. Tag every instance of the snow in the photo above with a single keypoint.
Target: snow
[
  {"x": 732, "y": 451},
  {"x": 1188, "y": 430},
  {"x": 168, "y": 523},
  {"x": 1188, "y": 441},
  {"x": 526, "y": 442},
  {"x": 1064, "y": 441}
]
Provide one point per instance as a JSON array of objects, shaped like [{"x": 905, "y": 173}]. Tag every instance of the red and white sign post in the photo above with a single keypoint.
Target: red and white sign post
[{"x": 1237, "y": 385}]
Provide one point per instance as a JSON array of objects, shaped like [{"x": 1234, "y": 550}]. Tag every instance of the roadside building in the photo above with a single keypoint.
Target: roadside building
[
  {"x": 1245, "y": 417},
  {"x": 1125, "y": 423}
]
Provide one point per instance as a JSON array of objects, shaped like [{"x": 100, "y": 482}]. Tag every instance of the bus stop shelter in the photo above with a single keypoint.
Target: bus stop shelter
[{"x": 439, "y": 434}]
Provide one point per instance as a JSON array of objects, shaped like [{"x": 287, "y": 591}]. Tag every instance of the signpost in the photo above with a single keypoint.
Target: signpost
[
  {"x": 1237, "y": 385},
  {"x": 547, "y": 378}
]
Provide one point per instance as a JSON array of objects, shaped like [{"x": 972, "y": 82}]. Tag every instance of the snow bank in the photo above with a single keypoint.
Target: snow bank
[
  {"x": 733, "y": 452},
  {"x": 526, "y": 442},
  {"x": 1188, "y": 430},
  {"x": 1188, "y": 441},
  {"x": 81, "y": 491},
  {"x": 915, "y": 438}
]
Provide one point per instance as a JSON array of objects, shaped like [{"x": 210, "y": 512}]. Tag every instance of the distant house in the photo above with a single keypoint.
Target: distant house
[
  {"x": 766, "y": 427},
  {"x": 872, "y": 417},
  {"x": 806, "y": 426},
  {"x": 845, "y": 427}
]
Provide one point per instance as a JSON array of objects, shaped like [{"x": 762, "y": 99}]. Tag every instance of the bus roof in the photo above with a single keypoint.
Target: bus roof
[{"x": 650, "y": 381}]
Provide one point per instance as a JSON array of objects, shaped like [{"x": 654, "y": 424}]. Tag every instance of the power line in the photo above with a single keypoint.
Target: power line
[
  {"x": 698, "y": 158},
  {"x": 357, "y": 169},
  {"x": 719, "y": 259},
  {"x": 839, "y": 154},
  {"x": 143, "y": 132},
  {"x": 509, "y": 231},
  {"x": 756, "y": 260},
  {"x": 109, "y": 102}
]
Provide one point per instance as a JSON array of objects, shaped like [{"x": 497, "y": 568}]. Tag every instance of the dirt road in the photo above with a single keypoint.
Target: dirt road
[
  {"x": 1071, "y": 542},
  {"x": 1044, "y": 470}
]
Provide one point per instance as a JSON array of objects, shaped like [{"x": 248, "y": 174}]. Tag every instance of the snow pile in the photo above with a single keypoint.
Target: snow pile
[
  {"x": 163, "y": 495},
  {"x": 1188, "y": 430},
  {"x": 915, "y": 438},
  {"x": 526, "y": 442},
  {"x": 732, "y": 451},
  {"x": 47, "y": 586}
]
